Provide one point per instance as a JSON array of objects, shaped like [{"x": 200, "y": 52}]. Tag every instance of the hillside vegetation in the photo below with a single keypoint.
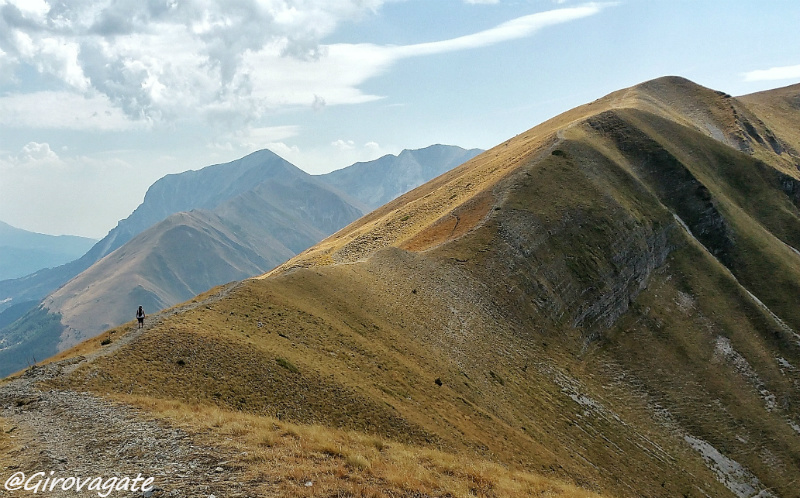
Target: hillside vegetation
[{"x": 607, "y": 301}]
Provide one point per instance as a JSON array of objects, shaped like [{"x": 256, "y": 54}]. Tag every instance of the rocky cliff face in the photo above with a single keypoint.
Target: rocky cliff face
[{"x": 669, "y": 179}]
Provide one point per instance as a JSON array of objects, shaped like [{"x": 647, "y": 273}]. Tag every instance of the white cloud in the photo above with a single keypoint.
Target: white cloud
[
  {"x": 520, "y": 27},
  {"x": 774, "y": 73},
  {"x": 349, "y": 145},
  {"x": 319, "y": 103},
  {"x": 35, "y": 152},
  {"x": 288, "y": 152},
  {"x": 248, "y": 140},
  {"x": 36, "y": 8},
  {"x": 483, "y": 2},
  {"x": 344, "y": 144},
  {"x": 225, "y": 62},
  {"x": 159, "y": 60}
]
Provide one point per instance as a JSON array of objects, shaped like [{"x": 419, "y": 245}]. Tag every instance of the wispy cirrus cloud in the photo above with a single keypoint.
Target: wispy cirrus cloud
[
  {"x": 774, "y": 74},
  {"x": 520, "y": 27},
  {"x": 336, "y": 78}
]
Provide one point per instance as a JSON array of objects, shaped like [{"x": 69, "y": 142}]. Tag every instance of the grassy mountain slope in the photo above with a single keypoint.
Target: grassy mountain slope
[
  {"x": 175, "y": 260},
  {"x": 778, "y": 108},
  {"x": 189, "y": 253},
  {"x": 605, "y": 299},
  {"x": 261, "y": 211}
]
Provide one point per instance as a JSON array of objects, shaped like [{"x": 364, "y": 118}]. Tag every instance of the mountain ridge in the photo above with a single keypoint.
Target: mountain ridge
[{"x": 605, "y": 298}]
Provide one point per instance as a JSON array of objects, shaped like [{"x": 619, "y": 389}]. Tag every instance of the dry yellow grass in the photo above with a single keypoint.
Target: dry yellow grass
[{"x": 286, "y": 456}]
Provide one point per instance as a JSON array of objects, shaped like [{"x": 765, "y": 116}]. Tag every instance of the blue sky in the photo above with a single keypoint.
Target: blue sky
[{"x": 98, "y": 99}]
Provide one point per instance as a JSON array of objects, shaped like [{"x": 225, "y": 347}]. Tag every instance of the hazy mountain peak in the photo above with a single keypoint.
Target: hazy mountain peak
[
  {"x": 23, "y": 252},
  {"x": 377, "y": 182}
]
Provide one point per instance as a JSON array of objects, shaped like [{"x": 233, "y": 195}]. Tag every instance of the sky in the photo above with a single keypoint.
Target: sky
[{"x": 101, "y": 98}]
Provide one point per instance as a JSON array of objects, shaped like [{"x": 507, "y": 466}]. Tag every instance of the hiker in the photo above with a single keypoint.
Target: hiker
[{"x": 140, "y": 316}]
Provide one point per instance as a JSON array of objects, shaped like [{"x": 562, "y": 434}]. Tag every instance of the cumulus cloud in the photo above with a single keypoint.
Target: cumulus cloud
[
  {"x": 774, "y": 74},
  {"x": 288, "y": 152},
  {"x": 229, "y": 62},
  {"x": 31, "y": 155},
  {"x": 154, "y": 58},
  {"x": 35, "y": 152},
  {"x": 318, "y": 104},
  {"x": 350, "y": 149},
  {"x": 255, "y": 138},
  {"x": 344, "y": 144}
]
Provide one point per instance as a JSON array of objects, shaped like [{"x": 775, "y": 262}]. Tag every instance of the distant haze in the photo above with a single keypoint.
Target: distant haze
[{"x": 23, "y": 252}]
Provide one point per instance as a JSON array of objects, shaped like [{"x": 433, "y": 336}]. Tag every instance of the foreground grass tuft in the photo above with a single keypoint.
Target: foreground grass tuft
[{"x": 288, "y": 365}]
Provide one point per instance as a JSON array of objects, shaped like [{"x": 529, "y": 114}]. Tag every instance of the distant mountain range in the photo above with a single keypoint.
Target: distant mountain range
[
  {"x": 377, "y": 182},
  {"x": 23, "y": 252},
  {"x": 193, "y": 231}
]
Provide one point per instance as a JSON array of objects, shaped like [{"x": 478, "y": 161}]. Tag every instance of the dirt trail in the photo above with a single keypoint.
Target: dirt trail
[{"x": 82, "y": 435}]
